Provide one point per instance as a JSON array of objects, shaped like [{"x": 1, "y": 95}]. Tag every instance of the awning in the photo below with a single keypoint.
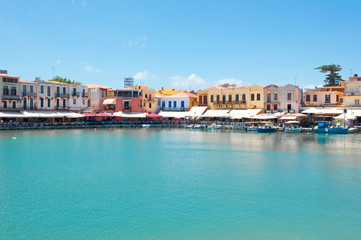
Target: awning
[
  {"x": 153, "y": 115},
  {"x": 246, "y": 113},
  {"x": 10, "y": 114},
  {"x": 196, "y": 112},
  {"x": 75, "y": 115},
  {"x": 265, "y": 116},
  {"x": 172, "y": 114},
  {"x": 350, "y": 115},
  {"x": 328, "y": 111},
  {"x": 217, "y": 113},
  {"x": 133, "y": 115},
  {"x": 109, "y": 101},
  {"x": 288, "y": 118},
  {"x": 292, "y": 116}
]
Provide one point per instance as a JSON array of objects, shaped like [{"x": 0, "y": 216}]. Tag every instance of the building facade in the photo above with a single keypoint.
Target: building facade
[
  {"x": 123, "y": 100},
  {"x": 322, "y": 97},
  {"x": 10, "y": 91},
  {"x": 352, "y": 96},
  {"x": 287, "y": 98},
  {"x": 182, "y": 101}
]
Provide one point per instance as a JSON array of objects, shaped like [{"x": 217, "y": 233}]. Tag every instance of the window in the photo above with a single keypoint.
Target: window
[
  {"x": 315, "y": 98},
  {"x": 258, "y": 97},
  {"x": 64, "y": 102},
  {"x": 289, "y": 107},
  {"x": 230, "y": 98},
  {"x": 169, "y": 104},
  {"x": 14, "y": 104},
  {"x": 337, "y": 98},
  {"x": 74, "y": 101},
  {"x": 205, "y": 100},
  {"x": 200, "y": 99},
  {"x": 308, "y": 98},
  {"x": 275, "y": 96},
  {"x": 48, "y": 90},
  {"x": 243, "y": 97},
  {"x": 182, "y": 104},
  {"x": 144, "y": 104},
  {"x": 268, "y": 107},
  {"x": 252, "y": 97},
  {"x": 5, "y": 90},
  {"x": 57, "y": 102},
  {"x": 13, "y": 91},
  {"x": 357, "y": 102},
  {"x": 174, "y": 104},
  {"x": 41, "y": 102},
  {"x": 10, "y": 80},
  {"x": 237, "y": 97},
  {"x": 150, "y": 105},
  {"x": 49, "y": 103},
  {"x": 289, "y": 96},
  {"x": 212, "y": 98},
  {"x": 224, "y": 99},
  {"x": 275, "y": 107},
  {"x": 64, "y": 90},
  {"x": 327, "y": 98},
  {"x": 41, "y": 89},
  {"x": 5, "y": 104},
  {"x": 24, "y": 88},
  {"x": 217, "y": 98},
  {"x": 31, "y": 89},
  {"x": 150, "y": 96},
  {"x": 163, "y": 104},
  {"x": 146, "y": 95},
  {"x": 268, "y": 97}
]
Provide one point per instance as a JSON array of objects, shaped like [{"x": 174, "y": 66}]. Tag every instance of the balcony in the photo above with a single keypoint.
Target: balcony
[
  {"x": 272, "y": 101},
  {"x": 84, "y": 95},
  {"x": 11, "y": 97},
  {"x": 172, "y": 109},
  {"x": 62, "y": 95},
  {"x": 28, "y": 94},
  {"x": 75, "y": 94},
  {"x": 127, "y": 107},
  {"x": 352, "y": 94}
]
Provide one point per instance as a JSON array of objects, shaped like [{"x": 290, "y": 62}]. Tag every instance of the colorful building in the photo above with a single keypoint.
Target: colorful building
[
  {"x": 123, "y": 100},
  {"x": 97, "y": 94},
  {"x": 352, "y": 96},
  {"x": 10, "y": 93},
  {"x": 287, "y": 98},
  {"x": 182, "y": 101},
  {"x": 323, "y": 97}
]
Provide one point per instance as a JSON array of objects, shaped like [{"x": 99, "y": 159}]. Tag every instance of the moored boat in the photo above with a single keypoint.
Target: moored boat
[{"x": 267, "y": 129}]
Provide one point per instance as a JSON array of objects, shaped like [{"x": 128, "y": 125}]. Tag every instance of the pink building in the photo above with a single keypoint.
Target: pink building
[
  {"x": 322, "y": 97},
  {"x": 124, "y": 100}
]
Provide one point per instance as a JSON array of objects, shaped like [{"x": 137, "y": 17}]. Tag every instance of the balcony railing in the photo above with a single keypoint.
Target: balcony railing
[
  {"x": 173, "y": 108},
  {"x": 352, "y": 94},
  {"x": 62, "y": 95},
  {"x": 11, "y": 97},
  {"x": 28, "y": 94},
  {"x": 75, "y": 94}
]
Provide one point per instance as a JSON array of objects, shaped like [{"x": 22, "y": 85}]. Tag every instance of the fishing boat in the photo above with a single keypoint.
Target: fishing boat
[
  {"x": 145, "y": 125},
  {"x": 197, "y": 126},
  {"x": 267, "y": 129},
  {"x": 324, "y": 127},
  {"x": 292, "y": 127},
  {"x": 188, "y": 126},
  {"x": 213, "y": 127}
]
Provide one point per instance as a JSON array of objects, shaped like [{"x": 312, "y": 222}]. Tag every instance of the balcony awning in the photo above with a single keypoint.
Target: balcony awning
[
  {"x": 217, "y": 113},
  {"x": 109, "y": 101},
  {"x": 327, "y": 111},
  {"x": 266, "y": 116},
  {"x": 246, "y": 113}
]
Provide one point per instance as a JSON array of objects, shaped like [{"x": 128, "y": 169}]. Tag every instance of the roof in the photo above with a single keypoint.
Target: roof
[
  {"x": 26, "y": 81},
  {"x": 168, "y": 92},
  {"x": 7, "y": 75},
  {"x": 96, "y": 86},
  {"x": 182, "y": 95}
]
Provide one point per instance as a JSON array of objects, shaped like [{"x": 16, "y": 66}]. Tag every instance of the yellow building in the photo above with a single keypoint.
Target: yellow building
[
  {"x": 231, "y": 97},
  {"x": 151, "y": 101},
  {"x": 168, "y": 92}
]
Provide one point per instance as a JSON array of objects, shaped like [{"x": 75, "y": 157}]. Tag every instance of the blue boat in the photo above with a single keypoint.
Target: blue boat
[
  {"x": 267, "y": 129},
  {"x": 323, "y": 127}
]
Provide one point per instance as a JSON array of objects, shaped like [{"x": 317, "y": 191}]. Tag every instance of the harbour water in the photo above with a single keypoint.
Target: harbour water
[{"x": 179, "y": 184}]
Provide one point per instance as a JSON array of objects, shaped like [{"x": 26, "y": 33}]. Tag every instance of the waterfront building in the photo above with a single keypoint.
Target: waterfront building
[
  {"x": 323, "y": 97},
  {"x": 228, "y": 96},
  {"x": 286, "y": 98},
  {"x": 10, "y": 91},
  {"x": 151, "y": 101},
  {"x": 28, "y": 94},
  {"x": 352, "y": 96},
  {"x": 78, "y": 97},
  {"x": 168, "y": 92},
  {"x": 182, "y": 101},
  {"x": 96, "y": 94},
  {"x": 123, "y": 100}
]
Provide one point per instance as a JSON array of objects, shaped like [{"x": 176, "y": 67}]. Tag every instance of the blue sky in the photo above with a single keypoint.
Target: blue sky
[{"x": 182, "y": 44}]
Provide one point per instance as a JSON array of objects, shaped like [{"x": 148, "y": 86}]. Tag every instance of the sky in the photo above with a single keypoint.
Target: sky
[{"x": 180, "y": 44}]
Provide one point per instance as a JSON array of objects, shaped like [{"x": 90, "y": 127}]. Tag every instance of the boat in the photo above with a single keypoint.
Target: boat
[
  {"x": 197, "y": 126},
  {"x": 324, "y": 127},
  {"x": 213, "y": 127},
  {"x": 252, "y": 128},
  {"x": 188, "y": 126},
  {"x": 145, "y": 125},
  {"x": 291, "y": 127},
  {"x": 267, "y": 129}
]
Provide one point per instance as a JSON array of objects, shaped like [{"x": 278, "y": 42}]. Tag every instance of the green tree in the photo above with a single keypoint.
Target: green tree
[
  {"x": 64, "y": 80},
  {"x": 332, "y": 79}
]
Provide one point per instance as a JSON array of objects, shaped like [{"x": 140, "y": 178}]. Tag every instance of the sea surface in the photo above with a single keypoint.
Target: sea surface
[{"x": 178, "y": 184}]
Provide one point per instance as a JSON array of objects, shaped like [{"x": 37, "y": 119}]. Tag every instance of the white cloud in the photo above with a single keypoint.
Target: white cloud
[
  {"x": 143, "y": 75},
  {"x": 191, "y": 82},
  {"x": 89, "y": 68},
  {"x": 58, "y": 61},
  {"x": 230, "y": 81},
  {"x": 138, "y": 42}
]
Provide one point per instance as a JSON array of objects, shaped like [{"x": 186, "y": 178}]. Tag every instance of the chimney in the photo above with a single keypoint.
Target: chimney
[
  {"x": 355, "y": 75},
  {"x": 37, "y": 79},
  {"x": 162, "y": 88}
]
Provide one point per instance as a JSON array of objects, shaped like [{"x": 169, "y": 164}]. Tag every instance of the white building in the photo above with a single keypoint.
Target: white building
[{"x": 179, "y": 102}]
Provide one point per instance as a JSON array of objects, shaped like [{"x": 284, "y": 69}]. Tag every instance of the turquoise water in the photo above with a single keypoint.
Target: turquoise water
[{"x": 179, "y": 184}]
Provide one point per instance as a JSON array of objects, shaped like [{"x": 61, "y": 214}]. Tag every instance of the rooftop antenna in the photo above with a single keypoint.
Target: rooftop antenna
[{"x": 128, "y": 82}]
